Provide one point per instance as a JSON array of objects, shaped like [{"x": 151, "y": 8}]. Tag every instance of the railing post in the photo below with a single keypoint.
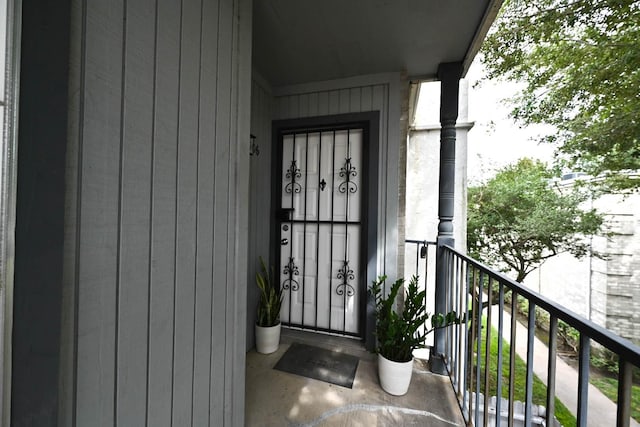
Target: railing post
[{"x": 449, "y": 75}]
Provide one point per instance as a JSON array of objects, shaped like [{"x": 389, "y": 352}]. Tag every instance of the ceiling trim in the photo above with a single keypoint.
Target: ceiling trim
[{"x": 490, "y": 15}]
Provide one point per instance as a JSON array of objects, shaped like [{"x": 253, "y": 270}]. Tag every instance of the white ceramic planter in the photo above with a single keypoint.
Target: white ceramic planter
[
  {"x": 267, "y": 338},
  {"x": 395, "y": 377}
]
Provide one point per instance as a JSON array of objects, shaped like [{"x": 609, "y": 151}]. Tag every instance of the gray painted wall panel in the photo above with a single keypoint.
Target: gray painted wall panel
[
  {"x": 234, "y": 339},
  {"x": 260, "y": 195},
  {"x": 221, "y": 219},
  {"x": 99, "y": 215},
  {"x": 313, "y": 104},
  {"x": 334, "y": 103},
  {"x": 355, "y": 95},
  {"x": 323, "y": 104},
  {"x": 294, "y": 105},
  {"x": 135, "y": 188},
  {"x": 163, "y": 229},
  {"x": 238, "y": 214},
  {"x": 366, "y": 98},
  {"x": 344, "y": 104},
  {"x": 303, "y": 106},
  {"x": 204, "y": 250},
  {"x": 378, "y": 97},
  {"x": 161, "y": 289},
  {"x": 186, "y": 216},
  {"x": 240, "y": 224},
  {"x": 72, "y": 226}
]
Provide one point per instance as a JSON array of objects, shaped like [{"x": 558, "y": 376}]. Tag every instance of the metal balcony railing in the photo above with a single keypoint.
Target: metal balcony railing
[{"x": 484, "y": 297}]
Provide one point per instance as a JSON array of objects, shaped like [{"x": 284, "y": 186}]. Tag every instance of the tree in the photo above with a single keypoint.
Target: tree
[
  {"x": 580, "y": 63},
  {"x": 522, "y": 217}
]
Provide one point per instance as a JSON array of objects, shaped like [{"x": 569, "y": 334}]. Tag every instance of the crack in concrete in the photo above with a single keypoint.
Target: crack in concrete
[{"x": 369, "y": 408}]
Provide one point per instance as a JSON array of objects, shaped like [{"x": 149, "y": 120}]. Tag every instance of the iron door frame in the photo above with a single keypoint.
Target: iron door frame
[{"x": 369, "y": 122}]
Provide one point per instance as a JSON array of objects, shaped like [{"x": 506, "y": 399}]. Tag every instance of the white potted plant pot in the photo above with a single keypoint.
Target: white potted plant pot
[
  {"x": 399, "y": 334},
  {"x": 267, "y": 338},
  {"x": 395, "y": 377}
]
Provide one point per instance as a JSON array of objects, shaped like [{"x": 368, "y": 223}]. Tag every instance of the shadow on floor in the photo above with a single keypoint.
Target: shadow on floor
[{"x": 275, "y": 398}]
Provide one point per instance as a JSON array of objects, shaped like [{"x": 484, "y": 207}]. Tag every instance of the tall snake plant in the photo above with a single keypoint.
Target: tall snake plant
[{"x": 270, "y": 297}]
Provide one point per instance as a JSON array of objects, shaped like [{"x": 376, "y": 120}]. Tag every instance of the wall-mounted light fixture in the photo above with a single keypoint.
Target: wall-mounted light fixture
[{"x": 253, "y": 147}]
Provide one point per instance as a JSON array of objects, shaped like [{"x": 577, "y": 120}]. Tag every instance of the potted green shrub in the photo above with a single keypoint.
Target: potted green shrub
[
  {"x": 268, "y": 320},
  {"x": 399, "y": 333}
]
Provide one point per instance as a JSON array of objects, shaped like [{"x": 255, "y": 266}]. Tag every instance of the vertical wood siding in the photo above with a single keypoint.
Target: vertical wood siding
[
  {"x": 368, "y": 93},
  {"x": 260, "y": 194},
  {"x": 158, "y": 137}
]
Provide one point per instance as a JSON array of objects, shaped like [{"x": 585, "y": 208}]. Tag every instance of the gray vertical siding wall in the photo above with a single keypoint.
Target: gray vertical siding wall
[
  {"x": 156, "y": 224},
  {"x": 260, "y": 193},
  {"x": 380, "y": 92}
]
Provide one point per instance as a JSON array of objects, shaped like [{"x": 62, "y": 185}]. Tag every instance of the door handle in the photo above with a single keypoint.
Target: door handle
[{"x": 284, "y": 242}]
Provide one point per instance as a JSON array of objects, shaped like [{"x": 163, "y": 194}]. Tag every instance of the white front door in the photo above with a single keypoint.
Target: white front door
[{"x": 320, "y": 227}]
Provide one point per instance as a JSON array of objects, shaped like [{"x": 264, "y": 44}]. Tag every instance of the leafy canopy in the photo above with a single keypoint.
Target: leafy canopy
[
  {"x": 580, "y": 62},
  {"x": 519, "y": 218}
]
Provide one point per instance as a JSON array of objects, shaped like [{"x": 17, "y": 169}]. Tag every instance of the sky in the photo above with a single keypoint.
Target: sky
[{"x": 495, "y": 140}]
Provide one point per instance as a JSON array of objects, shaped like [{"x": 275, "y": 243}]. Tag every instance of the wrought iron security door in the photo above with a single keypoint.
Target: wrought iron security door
[{"x": 320, "y": 230}]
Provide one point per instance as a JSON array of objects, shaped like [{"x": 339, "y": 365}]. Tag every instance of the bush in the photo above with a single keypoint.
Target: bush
[{"x": 569, "y": 335}]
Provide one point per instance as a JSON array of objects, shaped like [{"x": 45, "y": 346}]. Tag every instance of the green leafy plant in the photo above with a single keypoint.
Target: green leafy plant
[
  {"x": 576, "y": 63},
  {"x": 518, "y": 219},
  {"x": 399, "y": 333},
  {"x": 270, "y": 297}
]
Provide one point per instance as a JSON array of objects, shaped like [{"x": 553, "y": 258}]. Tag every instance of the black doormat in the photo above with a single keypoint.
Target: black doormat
[{"x": 320, "y": 364}]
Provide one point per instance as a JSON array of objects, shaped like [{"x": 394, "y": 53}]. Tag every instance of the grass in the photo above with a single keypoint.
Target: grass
[
  {"x": 609, "y": 387},
  {"x": 539, "y": 389}
]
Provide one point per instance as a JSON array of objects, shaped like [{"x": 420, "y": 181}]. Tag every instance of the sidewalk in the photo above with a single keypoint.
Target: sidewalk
[{"x": 601, "y": 410}]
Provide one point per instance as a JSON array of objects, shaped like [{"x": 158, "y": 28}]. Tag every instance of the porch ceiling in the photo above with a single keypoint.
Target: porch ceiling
[{"x": 298, "y": 41}]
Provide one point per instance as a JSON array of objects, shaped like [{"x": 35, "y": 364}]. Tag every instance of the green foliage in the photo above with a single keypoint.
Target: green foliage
[
  {"x": 399, "y": 333},
  {"x": 580, "y": 63},
  {"x": 270, "y": 297},
  {"x": 606, "y": 360},
  {"x": 517, "y": 219},
  {"x": 569, "y": 335},
  {"x": 519, "y": 372},
  {"x": 603, "y": 358}
]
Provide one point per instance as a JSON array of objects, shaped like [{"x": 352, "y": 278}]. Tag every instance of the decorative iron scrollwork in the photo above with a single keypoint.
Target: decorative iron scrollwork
[
  {"x": 346, "y": 275},
  {"x": 347, "y": 172},
  {"x": 290, "y": 270},
  {"x": 293, "y": 173}
]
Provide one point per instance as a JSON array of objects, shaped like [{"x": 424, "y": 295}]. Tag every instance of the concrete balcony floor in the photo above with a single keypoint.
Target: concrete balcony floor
[{"x": 275, "y": 398}]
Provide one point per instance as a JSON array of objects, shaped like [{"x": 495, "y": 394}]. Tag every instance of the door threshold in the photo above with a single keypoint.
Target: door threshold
[{"x": 350, "y": 345}]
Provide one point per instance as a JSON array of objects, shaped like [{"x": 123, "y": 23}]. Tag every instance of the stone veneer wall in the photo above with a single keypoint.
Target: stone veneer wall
[{"x": 620, "y": 305}]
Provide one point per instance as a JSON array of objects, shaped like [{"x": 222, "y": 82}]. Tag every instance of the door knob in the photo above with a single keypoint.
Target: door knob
[{"x": 284, "y": 242}]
